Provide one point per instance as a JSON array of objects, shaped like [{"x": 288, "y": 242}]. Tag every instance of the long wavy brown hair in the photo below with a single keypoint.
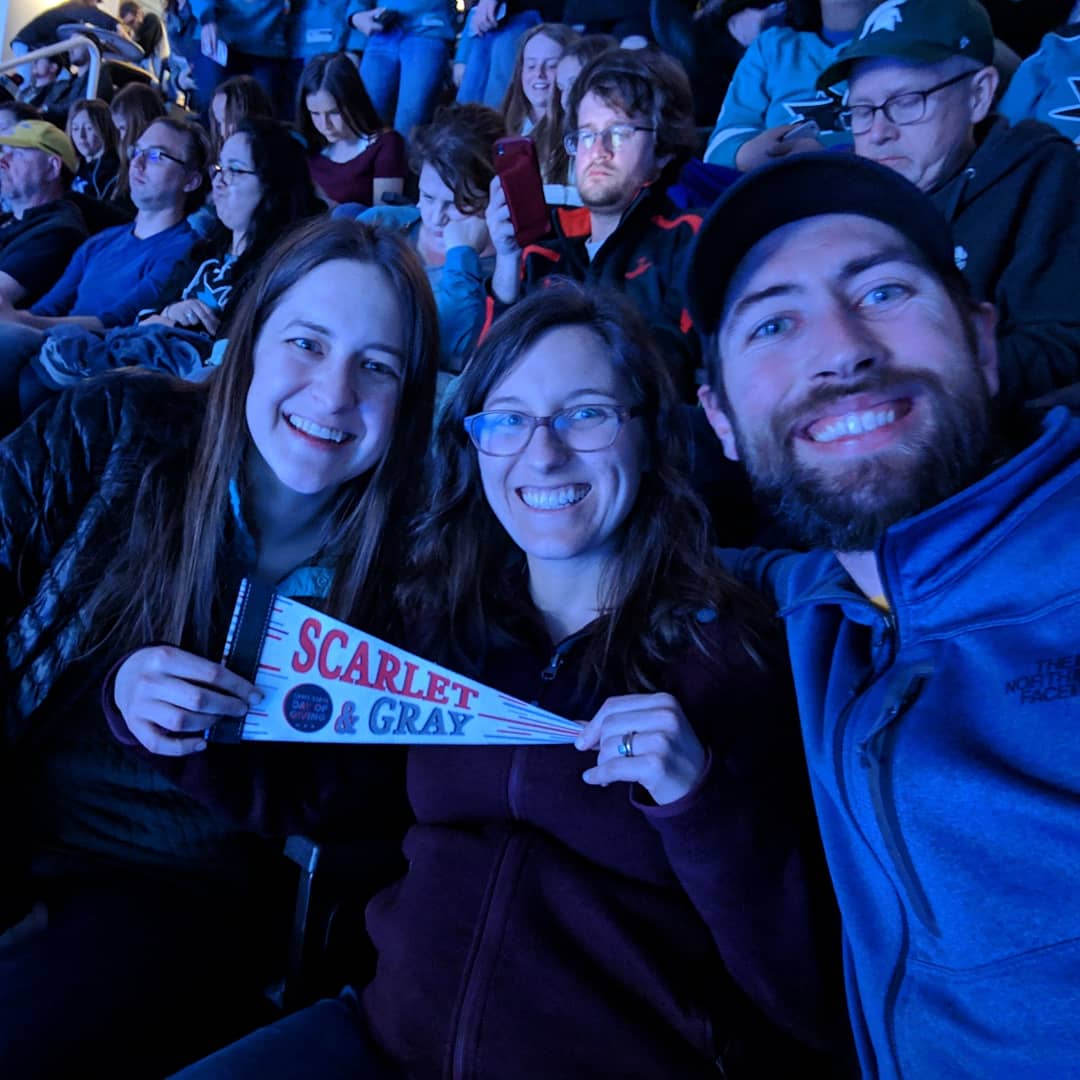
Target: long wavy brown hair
[
  {"x": 166, "y": 582},
  {"x": 548, "y": 132},
  {"x": 468, "y": 579}
]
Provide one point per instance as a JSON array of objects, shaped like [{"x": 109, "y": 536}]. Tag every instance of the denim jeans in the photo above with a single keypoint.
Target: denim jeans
[
  {"x": 326, "y": 1039},
  {"x": 403, "y": 74},
  {"x": 491, "y": 58}
]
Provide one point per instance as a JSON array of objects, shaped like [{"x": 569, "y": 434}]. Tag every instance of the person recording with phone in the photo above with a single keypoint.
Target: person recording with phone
[{"x": 629, "y": 126}]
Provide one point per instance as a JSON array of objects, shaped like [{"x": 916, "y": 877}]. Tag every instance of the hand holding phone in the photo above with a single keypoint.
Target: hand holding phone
[
  {"x": 518, "y": 170},
  {"x": 804, "y": 129},
  {"x": 386, "y": 18}
]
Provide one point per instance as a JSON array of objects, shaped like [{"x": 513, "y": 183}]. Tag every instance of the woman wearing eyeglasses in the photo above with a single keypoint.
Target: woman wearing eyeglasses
[
  {"x": 261, "y": 186},
  {"x": 643, "y": 903}
]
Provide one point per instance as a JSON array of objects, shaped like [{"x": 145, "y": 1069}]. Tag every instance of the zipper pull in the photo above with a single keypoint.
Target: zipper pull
[{"x": 552, "y": 669}]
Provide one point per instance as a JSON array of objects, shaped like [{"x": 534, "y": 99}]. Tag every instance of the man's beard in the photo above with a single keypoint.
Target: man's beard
[
  {"x": 603, "y": 193},
  {"x": 848, "y": 506}
]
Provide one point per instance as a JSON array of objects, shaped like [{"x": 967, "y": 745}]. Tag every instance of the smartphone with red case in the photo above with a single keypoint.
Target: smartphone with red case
[{"x": 517, "y": 167}]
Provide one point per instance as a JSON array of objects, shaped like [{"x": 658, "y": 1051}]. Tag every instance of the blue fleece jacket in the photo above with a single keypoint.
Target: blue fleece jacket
[
  {"x": 255, "y": 27},
  {"x": 114, "y": 275},
  {"x": 943, "y": 741},
  {"x": 321, "y": 26},
  {"x": 459, "y": 285},
  {"x": 776, "y": 83},
  {"x": 1046, "y": 86}
]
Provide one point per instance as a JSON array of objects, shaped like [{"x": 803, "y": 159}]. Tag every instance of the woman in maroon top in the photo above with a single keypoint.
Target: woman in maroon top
[{"x": 355, "y": 158}]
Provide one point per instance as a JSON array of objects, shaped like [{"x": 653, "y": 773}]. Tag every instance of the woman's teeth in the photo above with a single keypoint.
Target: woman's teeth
[
  {"x": 553, "y": 498},
  {"x": 309, "y": 427}
]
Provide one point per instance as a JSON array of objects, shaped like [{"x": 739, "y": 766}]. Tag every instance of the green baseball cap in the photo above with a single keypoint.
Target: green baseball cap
[
  {"x": 918, "y": 31},
  {"x": 43, "y": 136}
]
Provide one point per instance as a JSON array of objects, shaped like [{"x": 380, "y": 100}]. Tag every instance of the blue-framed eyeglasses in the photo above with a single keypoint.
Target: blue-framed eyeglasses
[{"x": 586, "y": 427}]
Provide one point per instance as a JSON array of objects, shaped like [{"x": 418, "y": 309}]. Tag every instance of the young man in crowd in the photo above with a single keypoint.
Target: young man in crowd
[
  {"x": 934, "y": 626},
  {"x": 121, "y": 270},
  {"x": 43, "y": 29},
  {"x": 630, "y": 126},
  {"x": 50, "y": 79},
  {"x": 146, "y": 30},
  {"x": 921, "y": 87},
  {"x": 773, "y": 107},
  {"x": 37, "y": 163}
]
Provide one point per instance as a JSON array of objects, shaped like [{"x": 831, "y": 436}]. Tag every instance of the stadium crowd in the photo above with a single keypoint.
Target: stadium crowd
[{"x": 705, "y": 373}]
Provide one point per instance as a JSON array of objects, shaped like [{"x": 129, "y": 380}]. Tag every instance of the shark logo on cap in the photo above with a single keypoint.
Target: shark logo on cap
[{"x": 885, "y": 17}]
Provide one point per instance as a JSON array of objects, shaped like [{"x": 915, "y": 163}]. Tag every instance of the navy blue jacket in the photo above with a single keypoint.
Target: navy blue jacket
[{"x": 943, "y": 740}]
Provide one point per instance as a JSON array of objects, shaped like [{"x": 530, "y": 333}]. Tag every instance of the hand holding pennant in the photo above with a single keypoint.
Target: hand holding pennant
[{"x": 324, "y": 681}]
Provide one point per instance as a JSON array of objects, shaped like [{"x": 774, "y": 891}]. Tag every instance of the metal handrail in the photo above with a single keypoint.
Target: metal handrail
[{"x": 93, "y": 73}]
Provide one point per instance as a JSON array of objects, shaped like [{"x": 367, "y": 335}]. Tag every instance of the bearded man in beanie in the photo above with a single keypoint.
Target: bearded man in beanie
[{"x": 933, "y": 627}]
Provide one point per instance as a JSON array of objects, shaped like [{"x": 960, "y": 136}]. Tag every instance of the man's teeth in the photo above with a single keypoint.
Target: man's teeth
[
  {"x": 553, "y": 498},
  {"x": 857, "y": 423},
  {"x": 309, "y": 427}
]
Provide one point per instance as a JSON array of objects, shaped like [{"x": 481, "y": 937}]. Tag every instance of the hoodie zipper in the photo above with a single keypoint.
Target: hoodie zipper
[
  {"x": 876, "y": 756},
  {"x": 458, "y": 1062},
  {"x": 513, "y": 789},
  {"x": 547, "y": 676}
]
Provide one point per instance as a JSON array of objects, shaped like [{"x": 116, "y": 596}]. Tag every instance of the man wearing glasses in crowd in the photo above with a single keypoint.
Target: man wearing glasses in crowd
[
  {"x": 116, "y": 273},
  {"x": 921, "y": 92},
  {"x": 629, "y": 127}
]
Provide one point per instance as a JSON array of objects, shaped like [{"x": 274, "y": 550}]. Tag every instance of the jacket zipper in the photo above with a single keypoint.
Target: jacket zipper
[
  {"x": 547, "y": 675},
  {"x": 875, "y": 755},
  {"x": 457, "y": 1060},
  {"x": 878, "y": 665}
]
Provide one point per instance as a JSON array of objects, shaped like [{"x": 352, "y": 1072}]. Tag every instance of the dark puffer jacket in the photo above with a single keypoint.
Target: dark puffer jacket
[{"x": 68, "y": 481}]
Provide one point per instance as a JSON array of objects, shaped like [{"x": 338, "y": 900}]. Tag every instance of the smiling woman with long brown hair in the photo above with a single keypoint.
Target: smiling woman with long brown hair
[{"x": 132, "y": 506}]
